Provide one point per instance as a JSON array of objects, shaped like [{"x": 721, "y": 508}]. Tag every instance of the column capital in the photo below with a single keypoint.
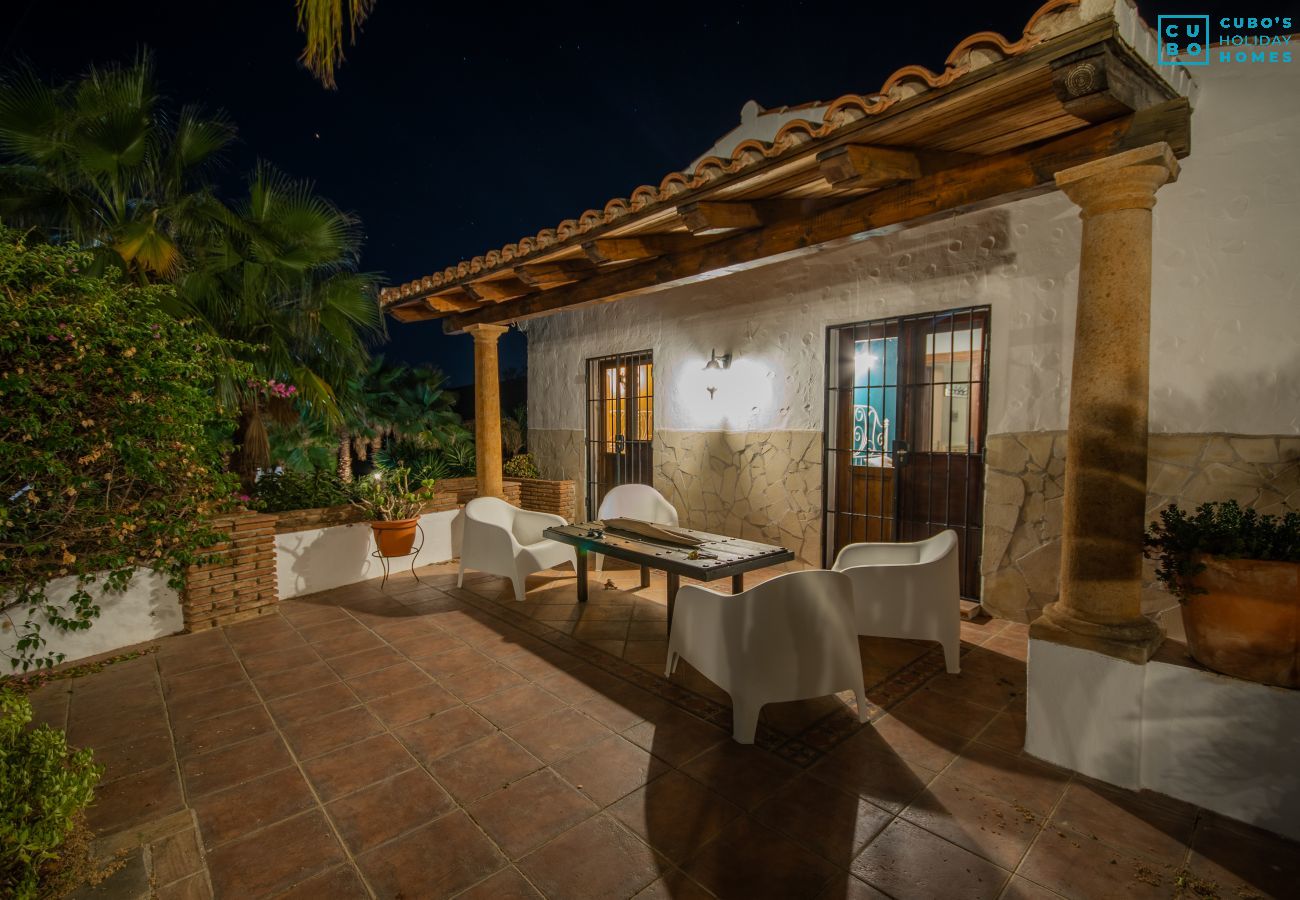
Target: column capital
[
  {"x": 486, "y": 333},
  {"x": 1127, "y": 180}
]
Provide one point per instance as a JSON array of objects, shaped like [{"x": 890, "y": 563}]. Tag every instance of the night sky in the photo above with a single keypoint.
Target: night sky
[{"x": 457, "y": 128}]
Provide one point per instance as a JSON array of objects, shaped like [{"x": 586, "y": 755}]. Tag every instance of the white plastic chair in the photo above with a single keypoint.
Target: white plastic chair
[
  {"x": 505, "y": 540},
  {"x": 908, "y": 591},
  {"x": 789, "y": 638},
  {"x": 635, "y": 501}
]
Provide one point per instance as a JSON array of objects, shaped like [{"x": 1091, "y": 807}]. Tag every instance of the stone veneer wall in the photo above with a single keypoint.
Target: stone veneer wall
[{"x": 1024, "y": 498}]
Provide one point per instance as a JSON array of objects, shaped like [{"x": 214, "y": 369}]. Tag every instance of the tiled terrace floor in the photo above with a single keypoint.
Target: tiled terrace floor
[{"x": 428, "y": 742}]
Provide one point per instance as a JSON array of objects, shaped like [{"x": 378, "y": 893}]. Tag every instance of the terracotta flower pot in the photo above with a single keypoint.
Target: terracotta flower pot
[
  {"x": 395, "y": 538},
  {"x": 1247, "y": 623}
]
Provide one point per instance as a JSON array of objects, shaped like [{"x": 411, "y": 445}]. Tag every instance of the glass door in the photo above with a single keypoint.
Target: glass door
[
  {"x": 905, "y": 423},
  {"x": 620, "y": 423}
]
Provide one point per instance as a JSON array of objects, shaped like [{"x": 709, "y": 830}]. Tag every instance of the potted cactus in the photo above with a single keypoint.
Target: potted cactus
[
  {"x": 394, "y": 508},
  {"x": 1236, "y": 574}
]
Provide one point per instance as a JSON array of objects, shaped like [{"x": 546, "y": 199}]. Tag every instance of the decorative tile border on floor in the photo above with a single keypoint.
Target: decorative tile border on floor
[{"x": 801, "y": 749}]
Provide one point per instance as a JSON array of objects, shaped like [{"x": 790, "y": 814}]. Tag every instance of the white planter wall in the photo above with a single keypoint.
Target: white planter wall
[
  {"x": 324, "y": 558},
  {"x": 147, "y": 609}
]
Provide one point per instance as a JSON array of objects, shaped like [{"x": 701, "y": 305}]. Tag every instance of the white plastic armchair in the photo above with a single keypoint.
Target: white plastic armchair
[
  {"x": 908, "y": 591},
  {"x": 635, "y": 501},
  {"x": 789, "y": 638},
  {"x": 507, "y": 541}
]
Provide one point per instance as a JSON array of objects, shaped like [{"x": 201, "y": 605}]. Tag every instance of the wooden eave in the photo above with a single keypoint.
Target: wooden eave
[{"x": 997, "y": 132}]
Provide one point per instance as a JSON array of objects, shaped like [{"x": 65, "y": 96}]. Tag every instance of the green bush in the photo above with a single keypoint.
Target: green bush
[
  {"x": 110, "y": 449},
  {"x": 301, "y": 490},
  {"x": 1216, "y": 529},
  {"x": 521, "y": 466},
  {"x": 44, "y": 788}
]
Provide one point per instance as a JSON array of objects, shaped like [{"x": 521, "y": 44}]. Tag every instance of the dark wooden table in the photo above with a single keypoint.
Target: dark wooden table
[{"x": 720, "y": 556}]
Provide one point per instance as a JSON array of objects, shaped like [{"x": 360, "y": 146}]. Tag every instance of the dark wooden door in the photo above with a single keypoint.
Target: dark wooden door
[
  {"x": 906, "y": 418},
  {"x": 620, "y": 424}
]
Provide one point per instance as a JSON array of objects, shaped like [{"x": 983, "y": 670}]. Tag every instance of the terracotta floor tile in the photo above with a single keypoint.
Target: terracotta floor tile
[
  {"x": 480, "y": 682},
  {"x": 1023, "y": 889},
  {"x": 112, "y": 725},
  {"x": 582, "y": 683},
  {"x": 462, "y": 659},
  {"x": 273, "y": 860},
  {"x": 412, "y": 705},
  {"x": 219, "y": 731},
  {"x": 230, "y": 814},
  {"x": 196, "y": 657},
  {"x": 357, "y": 765},
  {"x": 908, "y": 862},
  {"x": 613, "y": 648},
  {"x": 438, "y": 860},
  {"x": 302, "y": 614},
  {"x": 743, "y": 774},
  {"x": 531, "y": 811},
  {"x": 1017, "y": 779},
  {"x": 596, "y": 860},
  {"x": 348, "y": 643},
  {"x": 508, "y": 884},
  {"x": 624, "y": 707},
  {"x": 312, "y": 704},
  {"x": 674, "y": 885},
  {"x": 399, "y": 677},
  {"x": 600, "y": 630},
  {"x": 914, "y": 740},
  {"x": 610, "y": 769},
  {"x": 887, "y": 780},
  {"x": 176, "y": 856},
  {"x": 199, "y": 680},
  {"x": 850, "y": 887},
  {"x": 342, "y": 883},
  {"x": 675, "y": 736},
  {"x": 425, "y": 644},
  {"x": 516, "y": 704},
  {"x": 539, "y": 664},
  {"x": 280, "y": 660},
  {"x": 149, "y": 748},
  {"x": 319, "y": 632},
  {"x": 652, "y": 630},
  {"x": 275, "y": 641},
  {"x": 557, "y": 734},
  {"x": 354, "y": 664},
  {"x": 997, "y": 830},
  {"x": 432, "y": 738},
  {"x": 749, "y": 860},
  {"x": 827, "y": 820},
  {"x": 135, "y": 799},
  {"x": 949, "y": 713},
  {"x": 1006, "y": 732},
  {"x": 1241, "y": 859},
  {"x": 482, "y": 767},
  {"x": 1080, "y": 868},
  {"x": 675, "y": 814},
  {"x": 317, "y": 736},
  {"x": 229, "y": 766},
  {"x": 406, "y": 628},
  {"x": 655, "y": 652},
  {"x": 384, "y": 810},
  {"x": 982, "y": 687},
  {"x": 294, "y": 681},
  {"x": 212, "y": 703},
  {"x": 1123, "y": 821}
]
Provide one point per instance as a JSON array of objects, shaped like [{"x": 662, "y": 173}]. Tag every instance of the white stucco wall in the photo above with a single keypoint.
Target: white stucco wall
[
  {"x": 1225, "y": 343},
  {"x": 147, "y": 609},
  {"x": 324, "y": 558}
]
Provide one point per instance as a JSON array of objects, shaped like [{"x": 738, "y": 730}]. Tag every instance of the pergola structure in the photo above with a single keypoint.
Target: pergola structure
[{"x": 1074, "y": 104}]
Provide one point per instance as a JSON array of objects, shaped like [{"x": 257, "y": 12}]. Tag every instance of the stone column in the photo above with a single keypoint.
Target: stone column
[
  {"x": 1106, "y": 444},
  {"x": 487, "y": 408}
]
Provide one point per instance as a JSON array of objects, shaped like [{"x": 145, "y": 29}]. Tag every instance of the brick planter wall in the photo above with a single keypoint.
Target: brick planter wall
[
  {"x": 543, "y": 495},
  {"x": 241, "y": 584}
]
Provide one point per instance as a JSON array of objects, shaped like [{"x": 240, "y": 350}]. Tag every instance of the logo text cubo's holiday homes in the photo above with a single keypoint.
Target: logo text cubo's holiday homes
[{"x": 1194, "y": 40}]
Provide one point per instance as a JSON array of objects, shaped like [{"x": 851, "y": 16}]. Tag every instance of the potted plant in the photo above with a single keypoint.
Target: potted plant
[
  {"x": 1236, "y": 574},
  {"x": 394, "y": 508}
]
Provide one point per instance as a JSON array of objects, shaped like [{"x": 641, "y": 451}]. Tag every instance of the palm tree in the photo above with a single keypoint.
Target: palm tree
[
  {"x": 322, "y": 23},
  {"x": 101, "y": 162},
  {"x": 278, "y": 280}
]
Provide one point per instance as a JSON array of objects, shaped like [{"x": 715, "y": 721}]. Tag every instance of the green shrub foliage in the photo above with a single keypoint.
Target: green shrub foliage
[
  {"x": 287, "y": 490},
  {"x": 1216, "y": 529},
  {"x": 44, "y": 787},
  {"x": 110, "y": 442},
  {"x": 521, "y": 466}
]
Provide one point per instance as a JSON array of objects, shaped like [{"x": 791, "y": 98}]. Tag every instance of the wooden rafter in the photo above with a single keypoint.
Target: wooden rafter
[
  {"x": 861, "y": 165},
  {"x": 965, "y": 186}
]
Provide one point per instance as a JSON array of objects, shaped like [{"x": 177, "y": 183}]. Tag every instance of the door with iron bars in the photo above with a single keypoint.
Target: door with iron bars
[
  {"x": 620, "y": 423},
  {"x": 906, "y": 415}
]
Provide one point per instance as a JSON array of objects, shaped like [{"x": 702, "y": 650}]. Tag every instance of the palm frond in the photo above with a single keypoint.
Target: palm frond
[{"x": 322, "y": 22}]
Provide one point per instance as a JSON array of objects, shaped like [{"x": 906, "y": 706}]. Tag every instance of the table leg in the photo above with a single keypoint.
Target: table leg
[
  {"x": 674, "y": 582},
  {"x": 645, "y": 576},
  {"x": 580, "y": 553},
  {"x": 737, "y": 583}
]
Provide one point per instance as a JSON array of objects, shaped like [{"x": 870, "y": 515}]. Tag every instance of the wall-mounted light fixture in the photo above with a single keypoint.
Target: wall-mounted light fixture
[{"x": 717, "y": 362}]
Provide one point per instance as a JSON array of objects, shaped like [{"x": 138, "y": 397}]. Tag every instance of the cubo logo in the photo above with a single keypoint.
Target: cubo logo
[{"x": 1184, "y": 40}]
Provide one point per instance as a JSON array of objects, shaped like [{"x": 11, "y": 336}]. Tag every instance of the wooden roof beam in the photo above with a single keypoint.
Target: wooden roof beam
[
  {"x": 647, "y": 246},
  {"x": 499, "y": 289},
  {"x": 710, "y": 217},
  {"x": 976, "y": 184},
  {"x": 863, "y": 165},
  {"x": 549, "y": 274}
]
